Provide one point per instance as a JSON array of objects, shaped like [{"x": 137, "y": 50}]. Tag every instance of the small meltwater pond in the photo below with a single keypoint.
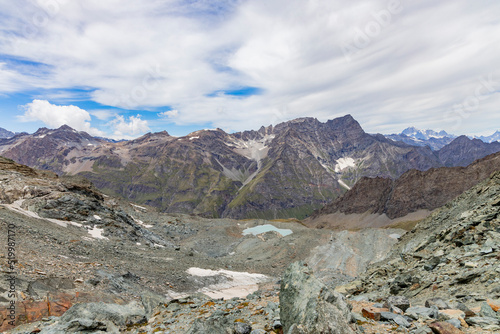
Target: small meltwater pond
[{"x": 266, "y": 228}]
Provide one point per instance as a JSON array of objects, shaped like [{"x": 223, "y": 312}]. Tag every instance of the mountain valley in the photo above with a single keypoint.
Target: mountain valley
[{"x": 166, "y": 234}]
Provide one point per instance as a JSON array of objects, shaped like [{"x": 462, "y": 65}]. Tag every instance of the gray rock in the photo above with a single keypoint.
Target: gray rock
[
  {"x": 388, "y": 315},
  {"x": 358, "y": 317},
  {"x": 487, "y": 311},
  {"x": 258, "y": 331},
  {"x": 398, "y": 301},
  {"x": 482, "y": 321},
  {"x": 462, "y": 307},
  {"x": 360, "y": 298},
  {"x": 401, "y": 321},
  {"x": 309, "y": 306},
  {"x": 215, "y": 324},
  {"x": 422, "y": 330},
  {"x": 150, "y": 301},
  {"x": 422, "y": 313},
  {"x": 438, "y": 302},
  {"x": 432, "y": 263},
  {"x": 120, "y": 315},
  {"x": 455, "y": 322},
  {"x": 242, "y": 328}
]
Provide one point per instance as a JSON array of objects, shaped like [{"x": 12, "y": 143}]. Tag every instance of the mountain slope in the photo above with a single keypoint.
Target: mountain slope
[{"x": 413, "y": 191}]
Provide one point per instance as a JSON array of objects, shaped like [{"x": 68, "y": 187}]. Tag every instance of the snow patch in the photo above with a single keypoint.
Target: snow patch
[
  {"x": 196, "y": 137},
  {"x": 252, "y": 149},
  {"x": 343, "y": 163},
  {"x": 96, "y": 233},
  {"x": 240, "y": 284},
  {"x": 97, "y": 217}
]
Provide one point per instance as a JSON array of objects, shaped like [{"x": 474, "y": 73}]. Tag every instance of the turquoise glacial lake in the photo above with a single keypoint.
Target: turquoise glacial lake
[{"x": 266, "y": 228}]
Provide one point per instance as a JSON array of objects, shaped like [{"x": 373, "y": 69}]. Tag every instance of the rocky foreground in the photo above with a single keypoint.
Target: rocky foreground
[{"x": 97, "y": 265}]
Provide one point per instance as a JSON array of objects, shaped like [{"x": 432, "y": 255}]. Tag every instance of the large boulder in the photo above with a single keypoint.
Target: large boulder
[
  {"x": 102, "y": 317},
  {"x": 309, "y": 306}
]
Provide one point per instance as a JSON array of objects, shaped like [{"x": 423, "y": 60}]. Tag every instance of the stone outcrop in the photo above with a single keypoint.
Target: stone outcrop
[{"x": 309, "y": 306}]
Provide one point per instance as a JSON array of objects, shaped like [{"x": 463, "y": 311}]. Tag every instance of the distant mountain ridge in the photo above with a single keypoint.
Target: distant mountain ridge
[
  {"x": 286, "y": 170},
  {"x": 489, "y": 139},
  {"x": 6, "y": 133},
  {"x": 435, "y": 140},
  {"x": 413, "y": 136},
  {"x": 425, "y": 134}
]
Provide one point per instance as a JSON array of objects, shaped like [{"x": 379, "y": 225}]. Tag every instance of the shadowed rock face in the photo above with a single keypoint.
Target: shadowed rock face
[{"x": 414, "y": 190}]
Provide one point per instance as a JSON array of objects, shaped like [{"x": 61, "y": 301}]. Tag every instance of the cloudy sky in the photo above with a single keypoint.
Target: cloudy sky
[{"x": 120, "y": 68}]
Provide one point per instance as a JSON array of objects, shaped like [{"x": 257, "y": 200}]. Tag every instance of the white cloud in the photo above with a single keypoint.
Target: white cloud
[
  {"x": 411, "y": 69},
  {"x": 169, "y": 114},
  {"x": 79, "y": 119},
  {"x": 128, "y": 129},
  {"x": 55, "y": 116},
  {"x": 103, "y": 114}
]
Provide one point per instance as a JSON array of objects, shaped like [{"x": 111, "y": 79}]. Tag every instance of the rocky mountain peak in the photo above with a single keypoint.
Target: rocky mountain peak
[
  {"x": 66, "y": 127},
  {"x": 345, "y": 124}
]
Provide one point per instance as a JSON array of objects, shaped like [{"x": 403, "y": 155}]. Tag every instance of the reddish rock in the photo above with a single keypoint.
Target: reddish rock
[
  {"x": 29, "y": 311},
  {"x": 493, "y": 305},
  {"x": 444, "y": 328},
  {"x": 373, "y": 312},
  {"x": 451, "y": 314}
]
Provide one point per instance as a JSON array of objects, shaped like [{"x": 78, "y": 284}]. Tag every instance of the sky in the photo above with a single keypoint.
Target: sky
[{"x": 122, "y": 68}]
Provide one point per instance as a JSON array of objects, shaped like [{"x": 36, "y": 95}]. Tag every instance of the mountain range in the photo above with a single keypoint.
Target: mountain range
[
  {"x": 287, "y": 170},
  {"x": 435, "y": 140}
]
